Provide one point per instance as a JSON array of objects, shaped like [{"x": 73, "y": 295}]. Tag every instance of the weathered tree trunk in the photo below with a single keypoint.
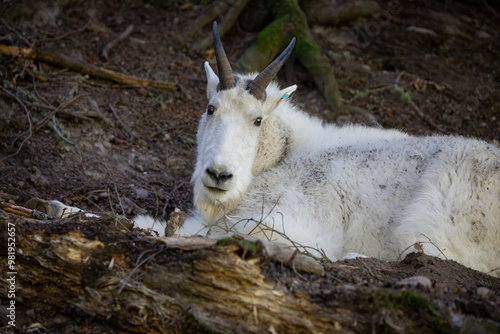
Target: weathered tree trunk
[
  {"x": 98, "y": 269},
  {"x": 94, "y": 275}
]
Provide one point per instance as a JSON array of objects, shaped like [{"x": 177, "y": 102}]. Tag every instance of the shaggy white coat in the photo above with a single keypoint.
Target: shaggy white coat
[{"x": 342, "y": 189}]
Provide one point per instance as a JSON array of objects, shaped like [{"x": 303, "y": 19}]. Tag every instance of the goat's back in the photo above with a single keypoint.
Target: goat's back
[{"x": 380, "y": 198}]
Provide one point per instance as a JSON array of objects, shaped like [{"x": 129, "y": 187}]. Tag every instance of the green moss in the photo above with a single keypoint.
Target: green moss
[
  {"x": 249, "y": 248},
  {"x": 225, "y": 241},
  {"x": 411, "y": 302},
  {"x": 269, "y": 36},
  {"x": 391, "y": 300},
  {"x": 290, "y": 21}
]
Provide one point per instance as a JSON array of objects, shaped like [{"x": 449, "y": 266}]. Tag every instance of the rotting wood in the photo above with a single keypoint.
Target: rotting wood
[
  {"x": 272, "y": 250},
  {"x": 95, "y": 270},
  {"x": 85, "y": 68},
  {"x": 220, "y": 287}
]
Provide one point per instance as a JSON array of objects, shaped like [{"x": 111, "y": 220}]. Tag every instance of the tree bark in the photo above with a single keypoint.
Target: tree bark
[
  {"x": 290, "y": 21},
  {"x": 96, "y": 268},
  {"x": 94, "y": 275}
]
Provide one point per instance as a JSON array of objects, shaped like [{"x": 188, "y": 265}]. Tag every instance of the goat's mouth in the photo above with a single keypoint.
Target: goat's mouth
[{"x": 215, "y": 189}]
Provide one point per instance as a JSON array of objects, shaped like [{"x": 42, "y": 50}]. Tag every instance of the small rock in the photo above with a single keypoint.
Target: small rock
[
  {"x": 483, "y": 292},
  {"x": 421, "y": 30},
  {"x": 129, "y": 206},
  {"x": 95, "y": 175},
  {"x": 349, "y": 287},
  {"x": 365, "y": 68},
  {"x": 352, "y": 255},
  {"x": 141, "y": 193},
  {"x": 38, "y": 179},
  {"x": 92, "y": 103},
  {"x": 415, "y": 281},
  {"x": 100, "y": 148},
  {"x": 106, "y": 144},
  {"x": 482, "y": 34}
]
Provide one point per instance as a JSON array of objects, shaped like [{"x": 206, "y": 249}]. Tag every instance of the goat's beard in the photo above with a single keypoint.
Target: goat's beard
[{"x": 213, "y": 204}]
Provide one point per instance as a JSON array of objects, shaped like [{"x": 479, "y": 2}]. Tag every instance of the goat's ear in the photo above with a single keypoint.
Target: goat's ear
[
  {"x": 212, "y": 81},
  {"x": 274, "y": 99}
]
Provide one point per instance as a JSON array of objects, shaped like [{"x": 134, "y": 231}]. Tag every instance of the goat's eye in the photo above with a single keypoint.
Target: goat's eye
[
  {"x": 258, "y": 121},
  {"x": 210, "y": 109}
]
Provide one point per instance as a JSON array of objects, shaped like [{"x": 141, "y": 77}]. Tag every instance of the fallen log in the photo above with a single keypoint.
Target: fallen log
[
  {"x": 84, "y": 274},
  {"x": 97, "y": 269}
]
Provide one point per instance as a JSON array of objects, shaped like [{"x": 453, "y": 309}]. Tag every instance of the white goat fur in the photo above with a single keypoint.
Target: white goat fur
[{"x": 343, "y": 189}]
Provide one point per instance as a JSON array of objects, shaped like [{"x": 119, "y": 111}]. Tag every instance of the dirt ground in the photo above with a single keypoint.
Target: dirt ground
[{"x": 430, "y": 69}]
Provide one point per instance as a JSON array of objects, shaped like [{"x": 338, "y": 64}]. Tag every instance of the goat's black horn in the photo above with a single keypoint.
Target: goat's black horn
[
  {"x": 257, "y": 87},
  {"x": 226, "y": 76}
]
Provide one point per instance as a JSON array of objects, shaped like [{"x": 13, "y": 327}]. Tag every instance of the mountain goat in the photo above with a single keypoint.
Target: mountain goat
[{"x": 267, "y": 169}]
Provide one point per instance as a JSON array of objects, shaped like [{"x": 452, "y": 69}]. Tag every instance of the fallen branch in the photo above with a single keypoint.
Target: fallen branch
[
  {"x": 129, "y": 131},
  {"x": 25, "y": 212},
  {"x": 85, "y": 68},
  {"x": 69, "y": 33},
  {"x": 112, "y": 44},
  {"x": 56, "y": 110},
  {"x": 370, "y": 119},
  {"x": 54, "y": 120},
  {"x": 59, "y": 133}
]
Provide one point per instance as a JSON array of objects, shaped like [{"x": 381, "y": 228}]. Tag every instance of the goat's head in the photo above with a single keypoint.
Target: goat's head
[{"x": 228, "y": 133}]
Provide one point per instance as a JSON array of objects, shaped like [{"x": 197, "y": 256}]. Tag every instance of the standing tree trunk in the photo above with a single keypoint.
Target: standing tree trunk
[{"x": 290, "y": 21}]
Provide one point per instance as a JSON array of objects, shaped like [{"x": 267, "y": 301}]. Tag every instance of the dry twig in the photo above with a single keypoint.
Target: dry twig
[
  {"x": 54, "y": 121},
  {"x": 105, "y": 50},
  {"x": 22, "y": 211},
  {"x": 70, "y": 32},
  {"x": 56, "y": 110},
  {"x": 129, "y": 131}
]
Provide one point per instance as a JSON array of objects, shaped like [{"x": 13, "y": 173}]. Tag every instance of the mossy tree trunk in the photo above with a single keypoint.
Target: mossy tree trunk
[{"x": 290, "y": 21}]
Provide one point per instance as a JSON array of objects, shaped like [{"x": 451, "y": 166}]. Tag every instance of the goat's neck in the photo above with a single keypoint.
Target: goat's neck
[{"x": 273, "y": 144}]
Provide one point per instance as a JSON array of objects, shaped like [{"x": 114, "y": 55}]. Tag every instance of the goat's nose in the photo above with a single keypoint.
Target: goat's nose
[{"x": 218, "y": 176}]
